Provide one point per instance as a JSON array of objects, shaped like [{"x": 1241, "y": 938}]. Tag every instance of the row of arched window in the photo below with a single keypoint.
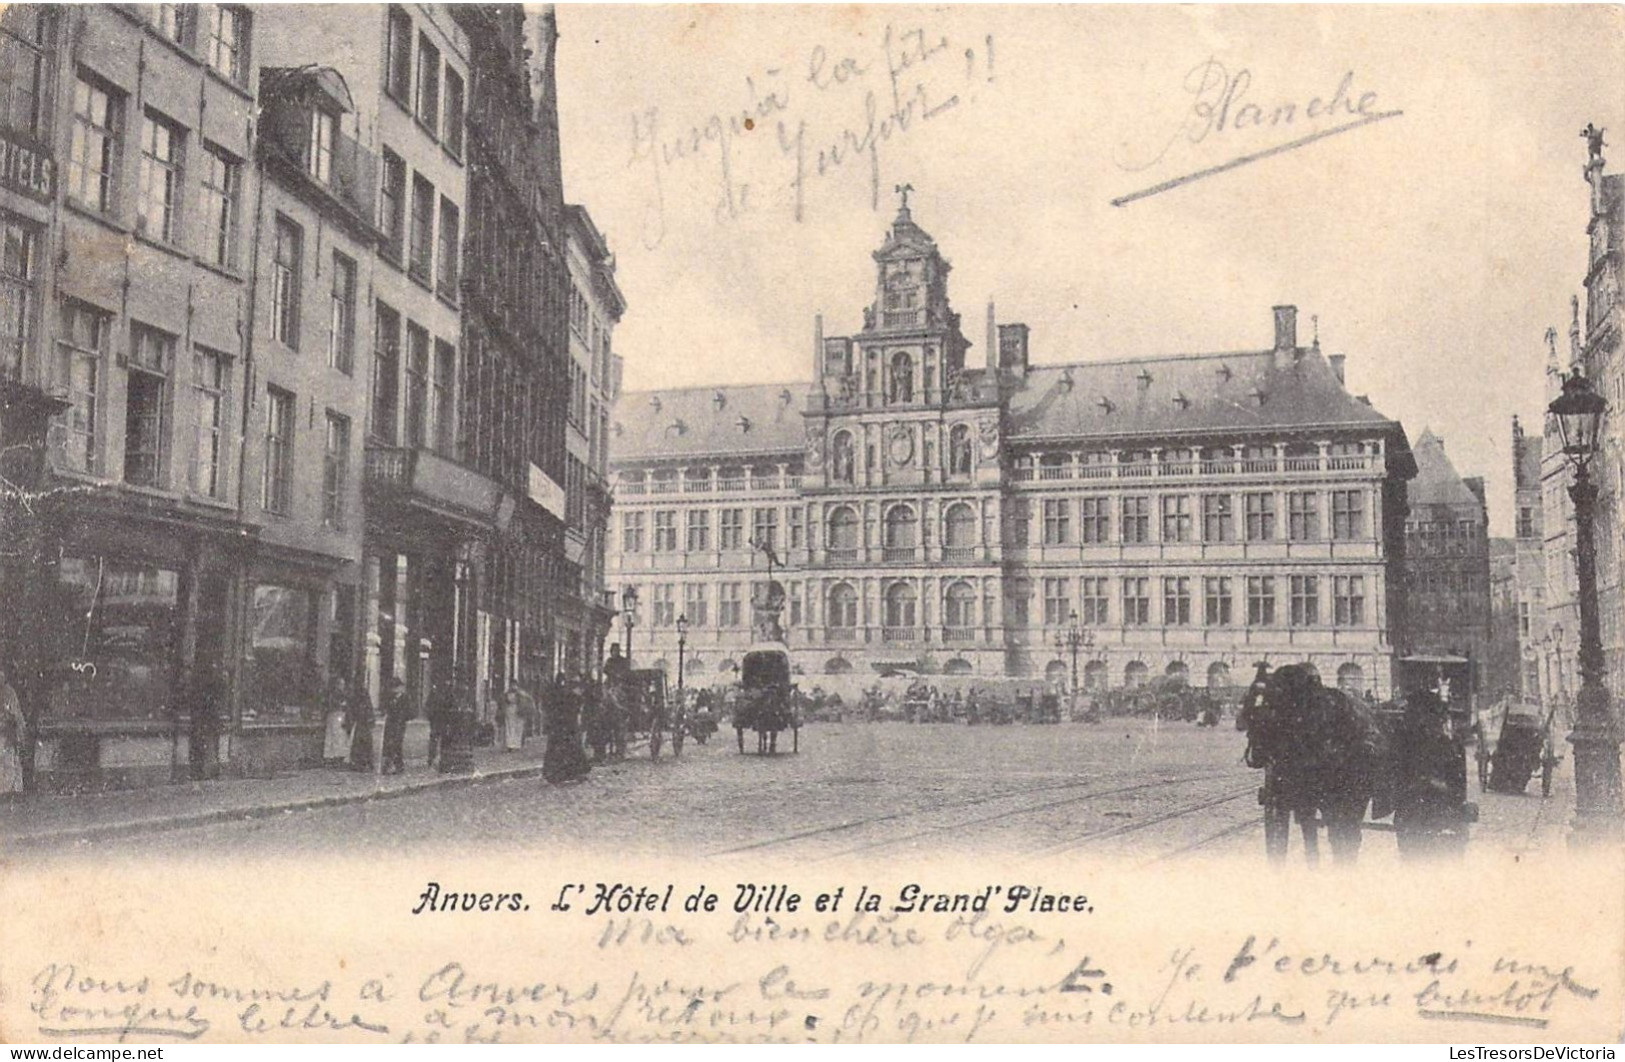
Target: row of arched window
[
  {"x": 901, "y": 527},
  {"x": 900, "y": 606}
]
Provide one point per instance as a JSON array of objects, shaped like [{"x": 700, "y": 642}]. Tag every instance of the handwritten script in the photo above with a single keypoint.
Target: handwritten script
[{"x": 832, "y": 109}]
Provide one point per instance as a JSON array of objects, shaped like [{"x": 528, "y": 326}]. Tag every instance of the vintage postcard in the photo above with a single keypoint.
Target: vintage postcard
[{"x": 811, "y": 524}]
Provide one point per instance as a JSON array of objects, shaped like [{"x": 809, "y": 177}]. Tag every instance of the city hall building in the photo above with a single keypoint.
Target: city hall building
[{"x": 1190, "y": 514}]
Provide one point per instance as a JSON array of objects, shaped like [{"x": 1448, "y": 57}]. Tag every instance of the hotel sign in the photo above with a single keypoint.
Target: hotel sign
[
  {"x": 25, "y": 168},
  {"x": 546, "y": 493}
]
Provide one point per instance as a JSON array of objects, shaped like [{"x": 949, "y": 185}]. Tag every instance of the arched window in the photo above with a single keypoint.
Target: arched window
[
  {"x": 1055, "y": 671},
  {"x": 959, "y": 527},
  {"x": 838, "y": 665},
  {"x": 841, "y": 612},
  {"x": 900, "y": 602},
  {"x": 843, "y": 458},
  {"x": 902, "y": 377},
  {"x": 957, "y": 666},
  {"x": 959, "y": 606},
  {"x": 902, "y": 527},
  {"x": 1351, "y": 678},
  {"x": 843, "y": 529},
  {"x": 959, "y": 451},
  {"x": 1134, "y": 675},
  {"x": 1178, "y": 672},
  {"x": 1094, "y": 675},
  {"x": 1218, "y": 676}
]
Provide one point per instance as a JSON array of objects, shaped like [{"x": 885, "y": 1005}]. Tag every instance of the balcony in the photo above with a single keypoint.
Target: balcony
[
  {"x": 842, "y": 556},
  {"x": 961, "y": 554},
  {"x": 898, "y": 635},
  {"x": 961, "y": 635},
  {"x": 841, "y": 634},
  {"x": 899, "y": 554},
  {"x": 901, "y": 318},
  {"x": 425, "y": 480},
  {"x": 1225, "y": 466}
]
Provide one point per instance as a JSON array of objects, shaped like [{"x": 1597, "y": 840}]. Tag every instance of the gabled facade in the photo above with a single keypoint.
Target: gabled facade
[{"x": 1197, "y": 512}]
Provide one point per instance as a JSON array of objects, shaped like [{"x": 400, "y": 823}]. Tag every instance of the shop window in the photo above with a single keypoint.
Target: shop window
[
  {"x": 279, "y": 674},
  {"x": 115, "y": 626}
]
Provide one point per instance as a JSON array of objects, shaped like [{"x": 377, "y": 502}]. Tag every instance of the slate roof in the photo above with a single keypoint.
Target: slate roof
[
  {"x": 1437, "y": 482},
  {"x": 689, "y": 423},
  {"x": 1186, "y": 394}
]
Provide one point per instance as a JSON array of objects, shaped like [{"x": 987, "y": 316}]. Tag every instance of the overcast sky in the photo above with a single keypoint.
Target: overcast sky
[{"x": 1435, "y": 244}]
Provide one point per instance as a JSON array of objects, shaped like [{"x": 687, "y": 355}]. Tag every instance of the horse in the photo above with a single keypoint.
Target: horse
[{"x": 1323, "y": 755}]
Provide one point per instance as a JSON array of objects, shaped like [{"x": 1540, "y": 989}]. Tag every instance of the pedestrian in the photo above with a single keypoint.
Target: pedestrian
[
  {"x": 442, "y": 705},
  {"x": 336, "y": 740},
  {"x": 200, "y": 699},
  {"x": 396, "y": 710},
  {"x": 13, "y": 732},
  {"x": 564, "y": 760},
  {"x": 358, "y": 718},
  {"x": 529, "y": 713},
  {"x": 513, "y": 721}
]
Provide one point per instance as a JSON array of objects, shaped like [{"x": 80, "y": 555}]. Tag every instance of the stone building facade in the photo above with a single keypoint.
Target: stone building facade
[{"x": 924, "y": 513}]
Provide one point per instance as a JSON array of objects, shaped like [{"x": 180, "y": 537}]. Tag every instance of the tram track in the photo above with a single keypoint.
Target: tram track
[
  {"x": 962, "y": 824},
  {"x": 1213, "y": 838},
  {"x": 1074, "y": 843}
]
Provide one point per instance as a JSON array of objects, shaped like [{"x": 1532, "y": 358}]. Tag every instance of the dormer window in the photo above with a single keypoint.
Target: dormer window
[
  {"x": 1144, "y": 378},
  {"x": 1105, "y": 404},
  {"x": 719, "y": 401},
  {"x": 654, "y": 403},
  {"x": 1182, "y": 401},
  {"x": 319, "y": 150}
]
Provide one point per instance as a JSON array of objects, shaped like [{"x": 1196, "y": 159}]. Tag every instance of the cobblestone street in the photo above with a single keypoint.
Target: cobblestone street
[{"x": 1134, "y": 790}]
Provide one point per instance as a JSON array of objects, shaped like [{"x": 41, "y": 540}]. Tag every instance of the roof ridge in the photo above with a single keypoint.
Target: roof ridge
[
  {"x": 1154, "y": 358},
  {"x": 713, "y": 387}
]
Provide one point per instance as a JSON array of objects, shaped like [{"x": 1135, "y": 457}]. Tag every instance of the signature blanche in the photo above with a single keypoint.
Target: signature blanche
[{"x": 1222, "y": 103}]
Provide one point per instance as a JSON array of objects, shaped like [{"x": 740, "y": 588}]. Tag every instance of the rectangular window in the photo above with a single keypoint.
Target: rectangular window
[
  {"x": 178, "y": 23},
  {"x": 146, "y": 402},
  {"x": 1176, "y": 518},
  {"x": 795, "y": 529},
  {"x": 1136, "y": 601},
  {"x": 1305, "y": 591},
  {"x": 210, "y": 387},
  {"x": 1303, "y": 516},
  {"x": 1095, "y": 594},
  {"x": 24, "y": 34},
  {"x": 1136, "y": 521},
  {"x": 454, "y": 112},
  {"x": 420, "y": 263},
  {"x": 386, "y": 374},
  {"x": 695, "y": 605},
  {"x": 1348, "y": 514},
  {"x": 428, "y": 84},
  {"x": 18, "y": 245},
  {"x": 221, "y": 190},
  {"x": 765, "y": 529},
  {"x": 665, "y": 531},
  {"x": 335, "y": 470},
  {"x": 81, "y": 353},
  {"x": 277, "y": 493},
  {"x": 1349, "y": 601},
  {"x": 319, "y": 144},
  {"x": 398, "y": 57},
  {"x": 1216, "y": 610},
  {"x": 341, "y": 316},
  {"x": 1526, "y": 522},
  {"x": 286, "y": 257},
  {"x": 731, "y": 530},
  {"x": 1176, "y": 601},
  {"x": 1218, "y": 518},
  {"x": 443, "y": 399},
  {"x": 93, "y": 150},
  {"x": 392, "y": 205},
  {"x": 1260, "y": 517},
  {"x": 665, "y": 605},
  {"x": 1261, "y": 600},
  {"x": 417, "y": 384},
  {"x": 158, "y": 206},
  {"x": 730, "y": 612},
  {"x": 1097, "y": 520},
  {"x": 631, "y": 532},
  {"x": 1057, "y": 602},
  {"x": 699, "y": 530},
  {"x": 450, "y": 226},
  {"x": 1057, "y": 522},
  {"x": 228, "y": 43}
]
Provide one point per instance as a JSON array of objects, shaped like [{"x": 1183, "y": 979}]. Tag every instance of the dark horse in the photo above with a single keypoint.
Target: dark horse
[{"x": 1322, "y": 753}]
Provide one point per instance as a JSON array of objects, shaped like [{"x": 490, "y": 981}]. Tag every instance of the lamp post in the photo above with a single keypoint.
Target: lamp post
[
  {"x": 629, "y": 608},
  {"x": 682, "y": 646},
  {"x": 1074, "y": 638},
  {"x": 1597, "y": 809}
]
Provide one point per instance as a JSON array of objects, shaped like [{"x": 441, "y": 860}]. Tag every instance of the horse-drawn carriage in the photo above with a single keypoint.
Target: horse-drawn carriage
[
  {"x": 763, "y": 701},
  {"x": 646, "y": 706},
  {"x": 1328, "y": 756}
]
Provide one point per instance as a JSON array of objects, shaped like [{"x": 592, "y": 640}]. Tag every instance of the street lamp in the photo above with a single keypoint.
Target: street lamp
[
  {"x": 1074, "y": 638},
  {"x": 1597, "y": 809},
  {"x": 682, "y": 646},
  {"x": 629, "y": 608}
]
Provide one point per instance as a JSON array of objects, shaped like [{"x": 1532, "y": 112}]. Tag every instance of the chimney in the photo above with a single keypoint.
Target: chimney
[
  {"x": 1013, "y": 348},
  {"x": 1336, "y": 361},
  {"x": 1286, "y": 328},
  {"x": 992, "y": 341}
]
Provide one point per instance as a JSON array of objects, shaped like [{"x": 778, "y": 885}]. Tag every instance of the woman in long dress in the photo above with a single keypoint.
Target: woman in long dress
[
  {"x": 513, "y": 721},
  {"x": 358, "y": 724},
  {"x": 336, "y": 742},
  {"x": 13, "y": 730}
]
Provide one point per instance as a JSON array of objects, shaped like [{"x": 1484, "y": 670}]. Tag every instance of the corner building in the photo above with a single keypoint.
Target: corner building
[{"x": 1197, "y": 512}]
